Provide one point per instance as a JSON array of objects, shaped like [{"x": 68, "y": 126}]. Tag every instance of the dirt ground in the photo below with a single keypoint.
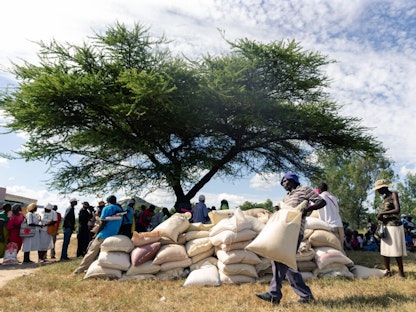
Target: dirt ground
[{"x": 9, "y": 272}]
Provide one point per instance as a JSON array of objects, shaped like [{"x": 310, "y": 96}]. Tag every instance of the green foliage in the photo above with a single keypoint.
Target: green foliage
[
  {"x": 123, "y": 113},
  {"x": 407, "y": 194},
  {"x": 268, "y": 205},
  {"x": 350, "y": 179}
]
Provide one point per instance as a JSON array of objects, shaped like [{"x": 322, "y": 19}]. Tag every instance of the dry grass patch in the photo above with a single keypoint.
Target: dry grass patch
[{"x": 50, "y": 289}]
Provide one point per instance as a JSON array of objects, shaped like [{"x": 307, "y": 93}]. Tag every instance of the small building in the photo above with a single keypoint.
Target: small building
[{"x": 6, "y": 198}]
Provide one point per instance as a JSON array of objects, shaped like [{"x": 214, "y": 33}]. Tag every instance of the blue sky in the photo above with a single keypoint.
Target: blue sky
[{"x": 373, "y": 43}]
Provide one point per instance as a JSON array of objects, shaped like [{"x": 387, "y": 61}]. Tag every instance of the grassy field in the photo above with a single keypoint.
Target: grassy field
[{"x": 50, "y": 289}]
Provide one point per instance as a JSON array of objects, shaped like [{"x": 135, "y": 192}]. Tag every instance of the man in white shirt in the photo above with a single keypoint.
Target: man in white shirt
[{"x": 330, "y": 213}]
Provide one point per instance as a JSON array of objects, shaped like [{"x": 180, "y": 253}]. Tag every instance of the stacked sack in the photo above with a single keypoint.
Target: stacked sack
[
  {"x": 146, "y": 246},
  {"x": 198, "y": 245},
  {"x": 230, "y": 236},
  {"x": 203, "y": 271},
  {"x": 235, "y": 248},
  {"x": 172, "y": 256},
  {"x": 264, "y": 268},
  {"x": 305, "y": 259},
  {"x": 330, "y": 260},
  {"x": 114, "y": 258},
  {"x": 159, "y": 254}
]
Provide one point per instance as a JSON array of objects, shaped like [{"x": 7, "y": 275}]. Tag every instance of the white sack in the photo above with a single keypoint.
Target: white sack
[{"x": 278, "y": 240}]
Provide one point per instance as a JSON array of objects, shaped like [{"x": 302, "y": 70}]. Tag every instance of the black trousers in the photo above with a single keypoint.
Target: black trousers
[{"x": 125, "y": 229}]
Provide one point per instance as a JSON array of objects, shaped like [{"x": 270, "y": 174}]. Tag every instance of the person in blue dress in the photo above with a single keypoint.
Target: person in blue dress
[{"x": 200, "y": 211}]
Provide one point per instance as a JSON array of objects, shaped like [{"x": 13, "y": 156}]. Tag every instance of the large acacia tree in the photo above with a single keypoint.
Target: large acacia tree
[{"x": 123, "y": 112}]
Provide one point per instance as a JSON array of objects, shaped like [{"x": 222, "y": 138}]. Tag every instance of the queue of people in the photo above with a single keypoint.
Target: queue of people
[
  {"x": 45, "y": 223},
  {"x": 40, "y": 239}
]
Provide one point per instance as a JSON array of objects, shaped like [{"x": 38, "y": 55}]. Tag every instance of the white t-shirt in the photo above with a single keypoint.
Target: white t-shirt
[
  {"x": 46, "y": 217},
  {"x": 330, "y": 213}
]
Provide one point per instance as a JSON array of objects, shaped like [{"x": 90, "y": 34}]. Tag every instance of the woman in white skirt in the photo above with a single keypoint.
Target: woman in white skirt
[
  {"x": 393, "y": 244},
  {"x": 31, "y": 243}
]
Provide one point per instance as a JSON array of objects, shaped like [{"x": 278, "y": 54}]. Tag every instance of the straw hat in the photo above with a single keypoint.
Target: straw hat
[
  {"x": 31, "y": 207},
  {"x": 381, "y": 183}
]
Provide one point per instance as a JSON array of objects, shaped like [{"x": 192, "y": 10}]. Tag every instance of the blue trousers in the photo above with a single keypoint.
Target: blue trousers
[
  {"x": 295, "y": 279},
  {"x": 67, "y": 237}
]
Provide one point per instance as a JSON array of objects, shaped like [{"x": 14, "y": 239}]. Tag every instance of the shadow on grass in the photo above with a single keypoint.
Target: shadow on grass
[{"x": 366, "y": 302}]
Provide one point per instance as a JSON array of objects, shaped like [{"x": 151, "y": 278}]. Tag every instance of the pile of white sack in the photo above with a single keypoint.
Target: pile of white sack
[{"x": 235, "y": 248}]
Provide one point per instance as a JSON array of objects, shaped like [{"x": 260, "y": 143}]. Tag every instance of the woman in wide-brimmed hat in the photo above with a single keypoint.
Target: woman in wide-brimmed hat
[{"x": 393, "y": 244}]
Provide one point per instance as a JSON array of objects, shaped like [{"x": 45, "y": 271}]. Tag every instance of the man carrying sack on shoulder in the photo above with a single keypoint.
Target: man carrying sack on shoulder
[
  {"x": 296, "y": 194},
  {"x": 110, "y": 227}
]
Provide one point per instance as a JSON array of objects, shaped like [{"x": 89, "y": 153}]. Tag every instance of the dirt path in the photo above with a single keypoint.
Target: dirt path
[{"x": 9, "y": 272}]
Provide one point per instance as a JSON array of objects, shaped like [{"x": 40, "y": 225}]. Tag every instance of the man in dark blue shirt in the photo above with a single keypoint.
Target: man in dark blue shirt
[{"x": 68, "y": 227}]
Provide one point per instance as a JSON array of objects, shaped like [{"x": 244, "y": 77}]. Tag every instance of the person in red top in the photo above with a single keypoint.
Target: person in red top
[
  {"x": 58, "y": 222},
  {"x": 145, "y": 218},
  {"x": 13, "y": 225}
]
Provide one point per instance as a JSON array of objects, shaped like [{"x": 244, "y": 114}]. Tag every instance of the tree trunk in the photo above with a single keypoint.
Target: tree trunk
[{"x": 182, "y": 200}]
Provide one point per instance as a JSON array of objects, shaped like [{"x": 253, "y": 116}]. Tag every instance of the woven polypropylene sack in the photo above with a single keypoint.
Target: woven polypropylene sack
[
  {"x": 172, "y": 227},
  {"x": 278, "y": 240}
]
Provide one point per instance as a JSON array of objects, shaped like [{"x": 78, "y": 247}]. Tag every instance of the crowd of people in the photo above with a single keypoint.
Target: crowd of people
[
  {"x": 46, "y": 223},
  {"x": 43, "y": 225}
]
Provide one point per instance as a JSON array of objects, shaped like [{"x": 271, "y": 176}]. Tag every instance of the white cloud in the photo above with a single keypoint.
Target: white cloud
[
  {"x": 404, "y": 171},
  {"x": 4, "y": 162},
  {"x": 23, "y": 135},
  {"x": 265, "y": 181},
  {"x": 374, "y": 46},
  {"x": 160, "y": 198}
]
